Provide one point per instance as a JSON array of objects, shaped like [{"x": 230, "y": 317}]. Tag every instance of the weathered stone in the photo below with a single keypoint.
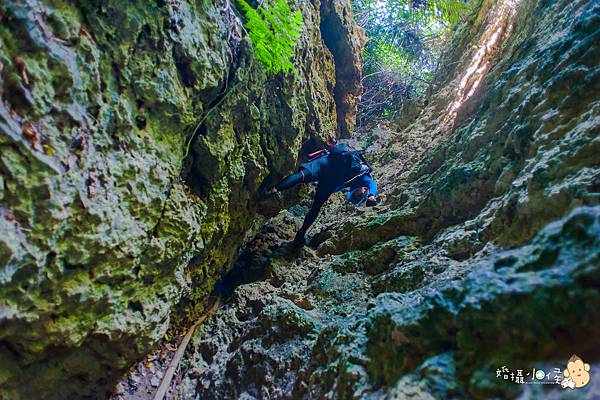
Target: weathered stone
[
  {"x": 109, "y": 233},
  {"x": 485, "y": 249}
]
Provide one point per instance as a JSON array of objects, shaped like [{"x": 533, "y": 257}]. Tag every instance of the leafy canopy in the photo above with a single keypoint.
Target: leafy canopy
[
  {"x": 406, "y": 40},
  {"x": 273, "y": 29}
]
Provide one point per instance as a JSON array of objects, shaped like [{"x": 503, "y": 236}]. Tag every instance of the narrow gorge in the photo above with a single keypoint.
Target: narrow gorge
[{"x": 137, "y": 138}]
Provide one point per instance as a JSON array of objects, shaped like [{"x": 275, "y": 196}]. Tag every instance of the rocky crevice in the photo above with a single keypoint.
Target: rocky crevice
[
  {"x": 103, "y": 245},
  {"x": 483, "y": 253},
  {"x": 489, "y": 215},
  {"x": 340, "y": 36}
]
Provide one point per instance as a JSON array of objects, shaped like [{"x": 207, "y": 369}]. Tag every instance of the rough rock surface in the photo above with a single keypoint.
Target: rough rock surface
[
  {"x": 105, "y": 224},
  {"x": 484, "y": 253}
]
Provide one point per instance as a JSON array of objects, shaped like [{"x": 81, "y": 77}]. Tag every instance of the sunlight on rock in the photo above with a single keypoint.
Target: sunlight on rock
[
  {"x": 498, "y": 30},
  {"x": 148, "y": 252}
]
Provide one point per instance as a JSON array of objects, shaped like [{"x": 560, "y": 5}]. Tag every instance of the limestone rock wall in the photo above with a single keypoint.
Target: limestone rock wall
[
  {"x": 484, "y": 252},
  {"x": 107, "y": 221}
]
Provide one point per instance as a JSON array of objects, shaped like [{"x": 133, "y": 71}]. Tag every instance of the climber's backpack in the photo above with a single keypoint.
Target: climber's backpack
[{"x": 349, "y": 160}]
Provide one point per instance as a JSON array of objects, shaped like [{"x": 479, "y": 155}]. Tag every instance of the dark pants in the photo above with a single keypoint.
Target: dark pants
[
  {"x": 302, "y": 176},
  {"x": 322, "y": 194}
]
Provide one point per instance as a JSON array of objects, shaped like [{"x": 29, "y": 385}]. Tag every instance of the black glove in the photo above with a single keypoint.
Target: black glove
[{"x": 371, "y": 202}]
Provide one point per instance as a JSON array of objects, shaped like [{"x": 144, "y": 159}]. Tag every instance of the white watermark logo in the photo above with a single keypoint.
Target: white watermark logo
[{"x": 576, "y": 375}]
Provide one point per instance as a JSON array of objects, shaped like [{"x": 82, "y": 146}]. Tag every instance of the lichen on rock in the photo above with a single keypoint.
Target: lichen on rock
[
  {"x": 137, "y": 136},
  {"x": 108, "y": 233},
  {"x": 483, "y": 253}
]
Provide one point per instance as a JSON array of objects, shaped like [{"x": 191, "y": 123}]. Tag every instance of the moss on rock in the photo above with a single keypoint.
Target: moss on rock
[{"x": 108, "y": 235}]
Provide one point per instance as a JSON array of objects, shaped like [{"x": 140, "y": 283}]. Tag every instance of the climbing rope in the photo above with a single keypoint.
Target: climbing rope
[
  {"x": 225, "y": 93},
  {"x": 207, "y": 113}
]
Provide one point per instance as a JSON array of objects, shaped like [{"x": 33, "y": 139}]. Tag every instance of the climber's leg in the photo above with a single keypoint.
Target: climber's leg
[
  {"x": 302, "y": 176},
  {"x": 293, "y": 180},
  {"x": 321, "y": 196}
]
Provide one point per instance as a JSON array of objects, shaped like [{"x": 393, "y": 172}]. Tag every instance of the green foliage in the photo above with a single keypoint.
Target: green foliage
[
  {"x": 445, "y": 11},
  {"x": 273, "y": 29},
  {"x": 406, "y": 39}
]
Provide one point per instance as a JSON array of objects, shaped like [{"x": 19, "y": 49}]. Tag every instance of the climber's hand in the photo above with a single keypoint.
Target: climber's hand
[
  {"x": 371, "y": 201},
  {"x": 268, "y": 193}
]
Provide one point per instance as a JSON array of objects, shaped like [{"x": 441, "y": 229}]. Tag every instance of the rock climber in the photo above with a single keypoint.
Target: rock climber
[{"x": 338, "y": 168}]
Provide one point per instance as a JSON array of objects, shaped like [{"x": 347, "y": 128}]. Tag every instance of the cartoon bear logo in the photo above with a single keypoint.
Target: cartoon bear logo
[{"x": 577, "y": 373}]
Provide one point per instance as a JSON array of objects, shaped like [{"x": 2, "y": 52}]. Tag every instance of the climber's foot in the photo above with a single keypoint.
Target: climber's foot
[{"x": 299, "y": 240}]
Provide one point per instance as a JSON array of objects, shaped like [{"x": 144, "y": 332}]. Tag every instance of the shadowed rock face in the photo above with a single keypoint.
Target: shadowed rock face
[
  {"x": 104, "y": 226},
  {"x": 342, "y": 37},
  {"x": 484, "y": 253}
]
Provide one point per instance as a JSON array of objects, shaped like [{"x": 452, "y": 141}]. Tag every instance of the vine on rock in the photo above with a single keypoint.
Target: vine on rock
[{"x": 273, "y": 30}]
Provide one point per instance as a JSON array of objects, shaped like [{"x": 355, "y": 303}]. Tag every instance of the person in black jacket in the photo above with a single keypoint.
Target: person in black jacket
[{"x": 331, "y": 178}]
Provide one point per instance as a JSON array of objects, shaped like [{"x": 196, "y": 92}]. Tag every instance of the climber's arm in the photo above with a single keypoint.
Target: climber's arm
[
  {"x": 372, "y": 188},
  {"x": 371, "y": 185}
]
